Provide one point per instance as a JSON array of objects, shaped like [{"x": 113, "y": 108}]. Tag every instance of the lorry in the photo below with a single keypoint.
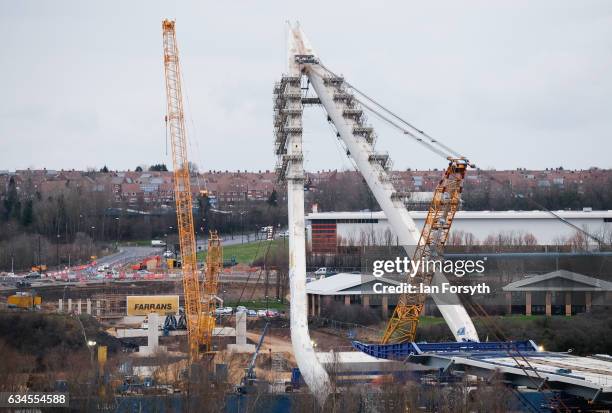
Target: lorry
[{"x": 24, "y": 301}]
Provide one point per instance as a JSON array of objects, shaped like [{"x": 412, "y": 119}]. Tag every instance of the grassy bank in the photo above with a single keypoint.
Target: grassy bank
[{"x": 248, "y": 252}]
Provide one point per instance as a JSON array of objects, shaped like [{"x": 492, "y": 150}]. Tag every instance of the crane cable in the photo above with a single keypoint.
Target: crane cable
[
  {"x": 432, "y": 141},
  {"x": 435, "y": 142},
  {"x": 406, "y": 132}
]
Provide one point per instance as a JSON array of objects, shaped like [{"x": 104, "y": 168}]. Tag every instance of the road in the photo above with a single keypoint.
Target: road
[
  {"x": 129, "y": 254},
  {"x": 125, "y": 256}
]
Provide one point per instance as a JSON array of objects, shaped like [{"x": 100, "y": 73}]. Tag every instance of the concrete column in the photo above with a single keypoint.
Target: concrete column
[
  {"x": 60, "y": 305},
  {"x": 509, "y": 303},
  {"x": 528, "y": 303},
  {"x": 385, "y": 307},
  {"x": 318, "y": 305},
  {"x": 347, "y": 300},
  {"x": 88, "y": 306},
  {"x": 79, "y": 306},
  {"x": 153, "y": 333},
  {"x": 309, "y": 304},
  {"x": 365, "y": 300},
  {"x": 568, "y": 303},
  {"x": 587, "y": 301},
  {"x": 241, "y": 319},
  {"x": 70, "y": 305},
  {"x": 313, "y": 305},
  {"x": 548, "y": 303}
]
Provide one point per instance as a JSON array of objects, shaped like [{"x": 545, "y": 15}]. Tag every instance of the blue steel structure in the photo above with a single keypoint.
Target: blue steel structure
[{"x": 403, "y": 350}]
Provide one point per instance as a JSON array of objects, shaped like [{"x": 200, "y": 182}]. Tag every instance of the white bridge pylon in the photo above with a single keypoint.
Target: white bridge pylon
[{"x": 347, "y": 117}]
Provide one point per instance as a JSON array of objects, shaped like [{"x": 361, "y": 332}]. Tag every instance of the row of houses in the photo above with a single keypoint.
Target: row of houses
[
  {"x": 142, "y": 189},
  {"x": 155, "y": 187}
]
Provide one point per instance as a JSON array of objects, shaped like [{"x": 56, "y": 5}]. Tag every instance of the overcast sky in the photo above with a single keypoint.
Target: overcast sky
[{"x": 510, "y": 84}]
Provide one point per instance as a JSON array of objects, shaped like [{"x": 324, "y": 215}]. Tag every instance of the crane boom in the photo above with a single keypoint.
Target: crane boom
[
  {"x": 214, "y": 266},
  {"x": 403, "y": 323},
  {"x": 182, "y": 187}
]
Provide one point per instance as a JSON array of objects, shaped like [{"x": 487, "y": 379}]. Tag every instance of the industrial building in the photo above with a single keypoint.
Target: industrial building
[
  {"x": 349, "y": 289},
  {"x": 328, "y": 230},
  {"x": 557, "y": 293}
]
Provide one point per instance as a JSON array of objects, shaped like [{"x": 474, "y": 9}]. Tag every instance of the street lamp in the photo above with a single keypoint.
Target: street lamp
[
  {"x": 57, "y": 250},
  {"x": 91, "y": 344},
  {"x": 242, "y": 225},
  {"x": 117, "y": 240},
  {"x": 93, "y": 240}
]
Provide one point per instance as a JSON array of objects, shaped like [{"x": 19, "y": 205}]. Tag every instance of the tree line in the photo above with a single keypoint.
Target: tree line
[{"x": 69, "y": 225}]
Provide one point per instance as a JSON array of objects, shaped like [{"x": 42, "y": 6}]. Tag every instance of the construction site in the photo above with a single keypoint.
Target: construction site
[{"x": 384, "y": 309}]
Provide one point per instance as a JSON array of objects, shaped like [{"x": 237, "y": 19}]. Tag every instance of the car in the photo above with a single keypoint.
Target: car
[
  {"x": 11, "y": 275},
  {"x": 33, "y": 276},
  {"x": 157, "y": 243},
  {"x": 241, "y": 309},
  {"x": 168, "y": 254},
  {"x": 251, "y": 313},
  {"x": 103, "y": 268},
  {"x": 23, "y": 284},
  {"x": 272, "y": 313},
  {"x": 321, "y": 271},
  {"x": 142, "y": 273},
  {"x": 224, "y": 311},
  {"x": 324, "y": 272},
  {"x": 261, "y": 313}
]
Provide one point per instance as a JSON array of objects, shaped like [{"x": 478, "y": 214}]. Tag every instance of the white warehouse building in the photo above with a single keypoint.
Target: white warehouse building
[{"x": 327, "y": 230}]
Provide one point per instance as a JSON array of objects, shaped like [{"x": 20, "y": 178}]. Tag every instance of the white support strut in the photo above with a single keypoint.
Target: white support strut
[{"x": 291, "y": 157}]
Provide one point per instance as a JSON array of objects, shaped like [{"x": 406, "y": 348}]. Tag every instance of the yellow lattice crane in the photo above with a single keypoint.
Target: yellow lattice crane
[
  {"x": 199, "y": 305},
  {"x": 405, "y": 319}
]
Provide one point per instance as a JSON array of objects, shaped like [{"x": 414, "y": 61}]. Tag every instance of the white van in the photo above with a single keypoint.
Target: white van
[{"x": 158, "y": 243}]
